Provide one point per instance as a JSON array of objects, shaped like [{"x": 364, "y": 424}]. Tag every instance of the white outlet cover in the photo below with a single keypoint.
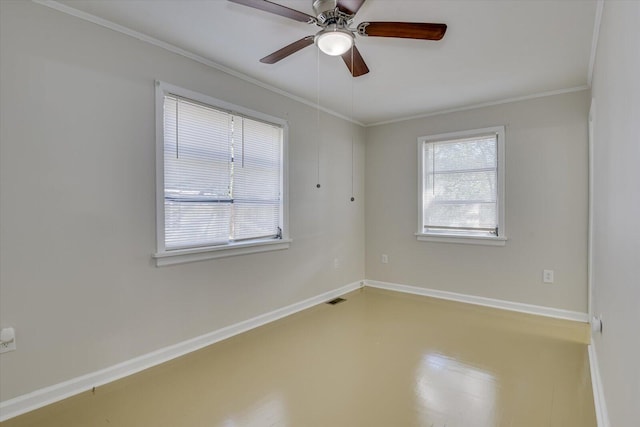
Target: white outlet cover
[{"x": 547, "y": 276}]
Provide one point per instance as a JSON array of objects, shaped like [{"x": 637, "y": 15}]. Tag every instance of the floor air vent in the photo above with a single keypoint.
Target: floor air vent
[{"x": 336, "y": 301}]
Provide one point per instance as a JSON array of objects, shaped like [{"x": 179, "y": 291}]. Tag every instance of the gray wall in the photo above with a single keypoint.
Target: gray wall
[
  {"x": 546, "y": 206},
  {"x": 77, "y": 204},
  {"x": 616, "y": 236}
]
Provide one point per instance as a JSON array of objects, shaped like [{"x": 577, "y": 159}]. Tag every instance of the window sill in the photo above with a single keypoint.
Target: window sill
[
  {"x": 467, "y": 240},
  {"x": 181, "y": 256}
]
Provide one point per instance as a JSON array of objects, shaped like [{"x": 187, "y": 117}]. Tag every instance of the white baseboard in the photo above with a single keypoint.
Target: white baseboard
[
  {"x": 487, "y": 302},
  {"x": 45, "y": 396},
  {"x": 602, "y": 416}
]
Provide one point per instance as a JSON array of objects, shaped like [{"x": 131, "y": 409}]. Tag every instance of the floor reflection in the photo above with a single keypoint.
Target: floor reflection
[
  {"x": 452, "y": 393},
  {"x": 380, "y": 359},
  {"x": 269, "y": 411}
]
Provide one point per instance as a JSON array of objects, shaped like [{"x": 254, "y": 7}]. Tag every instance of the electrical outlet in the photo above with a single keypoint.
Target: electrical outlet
[
  {"x": 336, "y": 263},
  {"x": 385, "y": 258},
  {"x": 7, "y": 340},
  {"x": 547, "y": 276}
]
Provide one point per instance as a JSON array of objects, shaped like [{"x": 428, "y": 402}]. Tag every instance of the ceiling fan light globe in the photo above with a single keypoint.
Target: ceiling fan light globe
[{"x": 334, "y": 42}]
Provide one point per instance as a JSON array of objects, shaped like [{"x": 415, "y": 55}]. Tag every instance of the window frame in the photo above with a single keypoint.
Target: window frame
[
  {"x": 443, "y": 237},
  {"x": 163, "y": 256}
]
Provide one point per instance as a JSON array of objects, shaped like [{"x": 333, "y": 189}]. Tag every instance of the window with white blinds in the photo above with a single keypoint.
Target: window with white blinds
[
  {"x": 222, "y": 175},
  {"x": 461, "y": 192}
]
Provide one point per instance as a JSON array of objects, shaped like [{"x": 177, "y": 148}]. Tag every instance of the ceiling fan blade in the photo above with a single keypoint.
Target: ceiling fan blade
[
  {"x": 357, "y": 67},
  {"x": 277, "y": 9},
  {"x": 405, "y": 30},
  {"x": 288, "y": 50},
  {"x": 350, "y": 7}
]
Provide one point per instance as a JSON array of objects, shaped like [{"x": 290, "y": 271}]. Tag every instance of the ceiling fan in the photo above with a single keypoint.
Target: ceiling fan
[{"x": 336, "y": 36}]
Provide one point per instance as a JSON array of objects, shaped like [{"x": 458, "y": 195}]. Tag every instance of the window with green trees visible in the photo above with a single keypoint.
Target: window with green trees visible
[{"x": 461, "y": 193}]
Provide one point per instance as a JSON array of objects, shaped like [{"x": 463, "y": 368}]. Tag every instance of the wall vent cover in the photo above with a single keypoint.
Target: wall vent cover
[{"x": 336, "y": 301}]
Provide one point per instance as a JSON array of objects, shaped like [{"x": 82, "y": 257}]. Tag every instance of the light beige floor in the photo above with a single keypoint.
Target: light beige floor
[{"x": 378, "y": 359}]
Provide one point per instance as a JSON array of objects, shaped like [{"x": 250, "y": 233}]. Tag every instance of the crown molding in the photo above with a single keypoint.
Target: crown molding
[
  {"x": 484, "y": 104},
  {"x": 185, "y": 53}
]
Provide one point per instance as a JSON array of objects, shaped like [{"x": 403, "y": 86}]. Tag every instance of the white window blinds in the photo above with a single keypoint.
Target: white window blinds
[
  {"x": 222, "y": 176},
  {"x": 460, "y": 187}
]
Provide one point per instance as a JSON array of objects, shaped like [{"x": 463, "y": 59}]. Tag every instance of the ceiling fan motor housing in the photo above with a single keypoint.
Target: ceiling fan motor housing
[
  {"x": 322, "y": 6},
  {"x": 328, "y": 13}
]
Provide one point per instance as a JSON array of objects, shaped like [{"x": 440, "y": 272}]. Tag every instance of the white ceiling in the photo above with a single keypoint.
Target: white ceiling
[{"x": 493, "y": 50}]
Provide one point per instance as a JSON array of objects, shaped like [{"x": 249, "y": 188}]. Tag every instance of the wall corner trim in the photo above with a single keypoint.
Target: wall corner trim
[
  {"x": 602, "y": 416},
  {"x": 594, "y": 40},
  {"x": 487, "y": 302},
  {"x": 28, "y": 402}
]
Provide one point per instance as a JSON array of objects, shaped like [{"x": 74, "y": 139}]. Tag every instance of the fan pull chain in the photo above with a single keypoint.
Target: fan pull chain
[
  {"x": 318, "y": 115},
  {"x": 352, "y": 197},
  {"x": 352, "y": 137}
]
